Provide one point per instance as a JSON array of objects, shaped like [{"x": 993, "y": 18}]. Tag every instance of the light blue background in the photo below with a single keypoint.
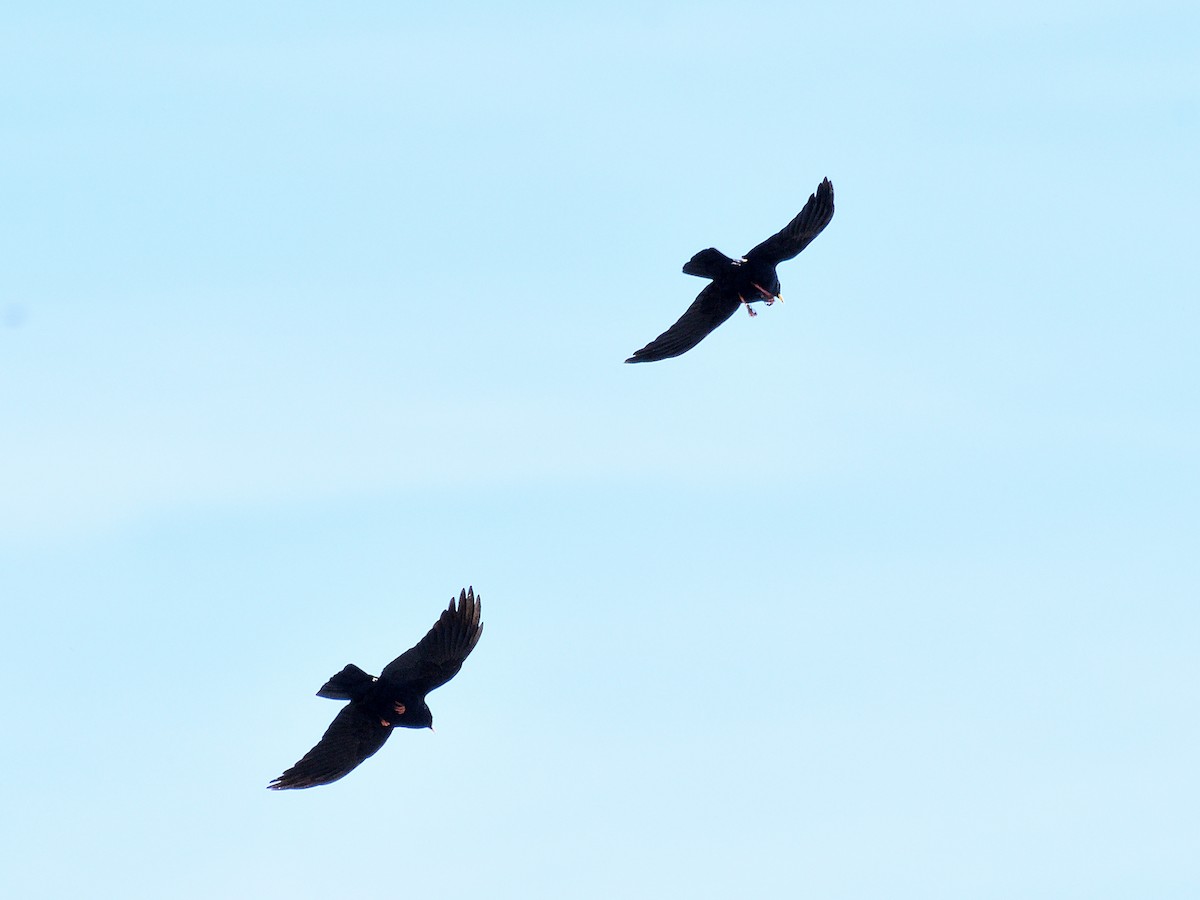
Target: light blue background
[{"x": 313, "y": 314}]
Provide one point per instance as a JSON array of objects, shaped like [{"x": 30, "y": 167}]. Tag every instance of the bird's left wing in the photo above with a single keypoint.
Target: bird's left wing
[
  {"x": 799, "y": 232},
  {"x": 353, "y": 736},
  {"x": 711, "y": 307},
  {"x": 439, "y": 655}
]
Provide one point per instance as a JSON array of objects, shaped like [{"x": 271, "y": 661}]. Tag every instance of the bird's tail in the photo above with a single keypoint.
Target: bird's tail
[
  {"x": 345, "y": 684},
  {"x": 707, "y": 263}
]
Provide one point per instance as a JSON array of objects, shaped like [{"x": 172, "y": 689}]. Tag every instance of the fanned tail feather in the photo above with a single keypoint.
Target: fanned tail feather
[{"x": 345, "y": 684}]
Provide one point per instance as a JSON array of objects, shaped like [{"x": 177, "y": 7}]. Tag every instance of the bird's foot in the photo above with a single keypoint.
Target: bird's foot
[
  {"x": 399, "y": 708},
  {"x": 747, "y": 305},
  {"x": 385, "y": 723}
]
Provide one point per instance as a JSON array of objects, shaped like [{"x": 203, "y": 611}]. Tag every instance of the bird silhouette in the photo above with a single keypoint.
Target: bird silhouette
[
  {"x": 395, "y": 699},
  {"x": 739, "y": 282}
]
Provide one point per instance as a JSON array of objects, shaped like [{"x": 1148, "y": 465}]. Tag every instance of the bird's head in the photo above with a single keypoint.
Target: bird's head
[
  {"x": 417, "y": 716},
  {"x": 769, "y": 290}
]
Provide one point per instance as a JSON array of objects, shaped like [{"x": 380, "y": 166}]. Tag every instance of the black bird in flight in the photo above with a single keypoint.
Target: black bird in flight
[
  {"x": 739, "y": 282},
  {"x": 395, "y": 699}
]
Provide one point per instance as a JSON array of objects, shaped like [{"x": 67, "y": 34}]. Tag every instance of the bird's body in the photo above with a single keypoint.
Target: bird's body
[
  {"x": 739, "y": 282},
  {"x": 396, "y": 699},
  {"x": 380, "y": 698}
]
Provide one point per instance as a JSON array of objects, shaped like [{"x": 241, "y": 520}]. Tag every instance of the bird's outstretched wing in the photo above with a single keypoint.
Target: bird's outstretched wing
[
  {"x": 439, "y": 655},
  {"x": 354, "y": 735},
  {"x": 710, "y": 308},
  {"x": 799, "y": 232}
]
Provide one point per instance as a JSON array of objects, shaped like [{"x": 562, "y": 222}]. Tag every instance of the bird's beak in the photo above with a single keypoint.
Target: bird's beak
[{"x": 779, "y": 297}]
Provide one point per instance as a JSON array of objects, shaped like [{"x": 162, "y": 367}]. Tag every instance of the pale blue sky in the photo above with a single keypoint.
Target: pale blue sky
[{"x": 311, "y": 316}]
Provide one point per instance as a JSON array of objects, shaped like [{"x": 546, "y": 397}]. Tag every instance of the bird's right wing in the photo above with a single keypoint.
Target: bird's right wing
[
  {"x": 439, "y": 655},
  {"x": 710, "y": 308},
  {"x": 799, "y": 232},
  {"x": 353, "y": 736}
]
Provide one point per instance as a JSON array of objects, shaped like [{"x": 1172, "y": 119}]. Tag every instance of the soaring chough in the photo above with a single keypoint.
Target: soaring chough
[
  {"x": 739, "y": 282},
  {"x": 395, "y": 699}
]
